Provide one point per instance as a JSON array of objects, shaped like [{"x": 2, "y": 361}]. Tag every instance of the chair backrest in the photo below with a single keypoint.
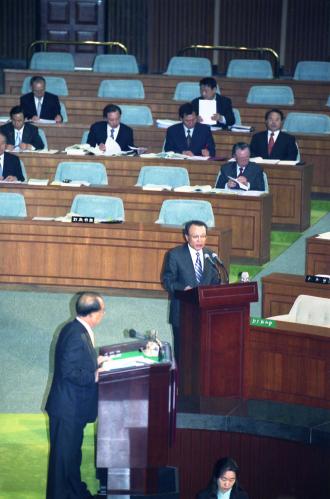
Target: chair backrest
[
  {"x": 249, "y": 68},
  {"x": 186, "y": 91},
  {"x": 121, "y": 89},
  {"x": 54, "y": 84},
  {"x": 271, "y": 94},
  {"x": 84, "y": 137},
  {"x": 94, "y": 173},
  {"x": 43, "y": 137},
  {"x": 193, "y": 66},
  {"x": 311, "y": 310},
  {"x": 63, "y": 112},
  {"x": 115, "y": 63},
  {"x": 12, "y": 205},
  {"x": 174, "y": 176},
  {"x": 102, "y": 207},
  {"x": 180, "y": 211},
  {"x": 312, "y": 70},
  {"x": 23, "y": 170},
  {"x": 52, "y": 61},
  {"x": 307, "y": 123},
  {"x": 136, "y": 115},
  {"x": 237, "y": 115}
]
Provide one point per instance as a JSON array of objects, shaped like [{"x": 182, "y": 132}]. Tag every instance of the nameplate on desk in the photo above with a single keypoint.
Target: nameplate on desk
[
  {"x": 259, "y": 322},
  {"x": 319, "y": 279},
  {"x": 82, "y": 220}
]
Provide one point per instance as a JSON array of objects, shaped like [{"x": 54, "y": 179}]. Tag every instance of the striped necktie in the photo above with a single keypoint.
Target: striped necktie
[{"x": 198, "y": 268}]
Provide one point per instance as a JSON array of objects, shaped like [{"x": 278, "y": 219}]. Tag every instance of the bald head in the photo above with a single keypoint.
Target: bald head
[{"x": 88, "y": 303}]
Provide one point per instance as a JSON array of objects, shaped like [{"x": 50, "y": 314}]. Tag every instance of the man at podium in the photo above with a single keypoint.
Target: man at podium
[{"x": 186, "y": 267}]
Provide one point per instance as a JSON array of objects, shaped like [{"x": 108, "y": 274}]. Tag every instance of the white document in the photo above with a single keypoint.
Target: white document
[
  {"x": 111, "y": 147},
  {"x": 242, "y": 186},
  {"x": 207, "y": 108},
  {"x": 156, "y": 187},
  {"x": 38, "y": 181}
]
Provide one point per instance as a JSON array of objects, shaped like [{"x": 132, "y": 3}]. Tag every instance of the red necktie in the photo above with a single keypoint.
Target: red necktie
[{"x": 271, "y": 143}]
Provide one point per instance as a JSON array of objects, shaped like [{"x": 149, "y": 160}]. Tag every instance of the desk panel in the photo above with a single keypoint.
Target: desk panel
[
  {"x": 241, "y": 215},
  {"x": 288, "y": 364},
  {"x": 317, "y": 256},
  {"x": 279, "y": 292},
  {"x": 125, "y": 256},
  {"x": 289, "y": 186}
]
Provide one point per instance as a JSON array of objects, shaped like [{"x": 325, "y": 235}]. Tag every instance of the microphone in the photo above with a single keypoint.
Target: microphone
[
  {"x": 134, "y": 334},
  {"x": 209, "y": 259},
  {"x": 217, "y": 259},
  {"x": 220, "y": 262}
]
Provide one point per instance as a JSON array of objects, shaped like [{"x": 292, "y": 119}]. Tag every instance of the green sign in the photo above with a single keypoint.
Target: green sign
[{"x": 258, "y": 321}]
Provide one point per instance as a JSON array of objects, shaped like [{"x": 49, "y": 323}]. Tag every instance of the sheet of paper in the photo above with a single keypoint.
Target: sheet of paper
[
  {"x": 242, "y": 186},
  {"x": 207, "y": 108}
]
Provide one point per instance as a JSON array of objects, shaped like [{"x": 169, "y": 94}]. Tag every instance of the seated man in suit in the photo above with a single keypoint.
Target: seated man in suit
[
  {"x": 273, "y": 143},
  {"x": 224, "y": 115},
  {"x": 39, "y": 104},
  {"x": 189, "y": 137},
  {"x": 186, "y": 267},
  {"x": 10, "y": 166},
  {"x": 111, "y": 127},
  {"x": 21, "y": 135},
  {"x": 247, "y": 173}
]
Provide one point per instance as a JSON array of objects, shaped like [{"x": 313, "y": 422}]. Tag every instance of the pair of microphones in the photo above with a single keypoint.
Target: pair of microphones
[{"x": 218, "y": 264}]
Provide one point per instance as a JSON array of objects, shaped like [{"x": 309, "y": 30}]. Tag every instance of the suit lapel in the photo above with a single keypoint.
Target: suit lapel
[{"x": 190, "y": 264}]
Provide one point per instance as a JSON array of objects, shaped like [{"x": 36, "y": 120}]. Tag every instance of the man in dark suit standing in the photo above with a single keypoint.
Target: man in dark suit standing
[
  {"x": 273, "y": 143},
  {"x": 185, "y": 268},
  {"x": 111, "y": 127},
  {"x": 189, "y": 137},
  {"x": 224, "y": 115},
  {"x": 241, "y": 170},
  {"x": 21, "y": 135},
  {"x": 72, "y": 400},
  {"x": 10, "y": 166},
  {"x": 39, "y": 104}
]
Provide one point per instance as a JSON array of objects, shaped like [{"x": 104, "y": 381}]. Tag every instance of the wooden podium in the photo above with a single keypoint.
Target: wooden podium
[
  {"x": 136, "y": 426},
  {"x": 214, "y": 322}
]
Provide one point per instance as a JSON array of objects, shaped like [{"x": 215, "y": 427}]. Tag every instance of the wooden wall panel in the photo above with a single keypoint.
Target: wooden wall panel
[
  {"x": 307, "y": 32},
  {"x": 269, "y": 466},
  {"x": 18, "y": 27}
]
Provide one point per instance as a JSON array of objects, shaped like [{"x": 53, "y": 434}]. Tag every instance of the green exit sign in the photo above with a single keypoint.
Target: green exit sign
[{"x": 258, "y": 321}]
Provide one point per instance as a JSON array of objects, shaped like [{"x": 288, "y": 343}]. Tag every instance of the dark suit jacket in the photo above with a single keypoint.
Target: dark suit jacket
[
  {"x": 49, "y": 109},
  {"x": 179, "y": 272},
  {"x": 224, "y": 107},
  {"x": 236, "y": 493},
  {"x": 73, "y": 392},
  {"x": 201, "y": 139},
  {"x": 12, "y": 166},
  {"x": 30, "y": 135},
  {"x": 285, "y": 147},
  {"x": 98, "y": 135},
  {"x": 252, "y": 172}
]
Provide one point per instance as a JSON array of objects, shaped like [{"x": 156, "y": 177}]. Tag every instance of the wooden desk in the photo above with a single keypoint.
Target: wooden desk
[
  {"x": 279, "y": 292},
  {"x": 317, "y": 256},
  {"x": 128, "y": 256},
  {"x": 87, "y": 110},
  {"x": 237, "y": 214},
  {"x": 289, "y": 186},
  {"x": 85, "y": 84},
  {"x": 288, "y": 364},
  {"x": 314, "y": 149}
]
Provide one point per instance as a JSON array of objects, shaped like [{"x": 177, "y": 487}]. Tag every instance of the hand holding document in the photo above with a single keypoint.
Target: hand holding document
[
  {"x": 240, "y": 185},
  {"x": 207, "y": 108}
]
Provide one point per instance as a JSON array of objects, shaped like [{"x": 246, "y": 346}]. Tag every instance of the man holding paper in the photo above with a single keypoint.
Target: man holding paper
[
  {"x": 189, "y": 137},
  {"x": 39, "y": 104},
  {"x": 21, "y": 136},
  {"x": 111, "y": 134},
  {"x": 241, "y": 173},
  {"x": 211, "y": 107}
]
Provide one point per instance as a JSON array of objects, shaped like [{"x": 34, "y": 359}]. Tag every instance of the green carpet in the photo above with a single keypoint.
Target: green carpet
[
  {"x": 24, "y": 456},
  {"x": 280, "y": 241}
]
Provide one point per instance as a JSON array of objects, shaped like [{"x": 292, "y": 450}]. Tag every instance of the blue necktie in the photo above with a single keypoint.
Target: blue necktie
[{"x": 198, "y": 268}]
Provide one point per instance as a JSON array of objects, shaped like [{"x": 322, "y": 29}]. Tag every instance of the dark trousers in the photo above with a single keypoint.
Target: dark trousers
[{"x": 64, "y": 480}]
